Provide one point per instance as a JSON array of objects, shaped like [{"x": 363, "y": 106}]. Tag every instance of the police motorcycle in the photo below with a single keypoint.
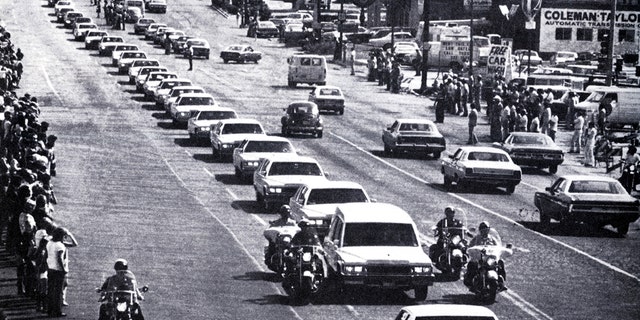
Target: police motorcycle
[
  {"x": 279, "y": 236},
  {"x": 487, "y": 260},
  {"x": 118, "y": 304},
  {"x": 452, "y": 256},
  {"x": 305, "y": 273}
]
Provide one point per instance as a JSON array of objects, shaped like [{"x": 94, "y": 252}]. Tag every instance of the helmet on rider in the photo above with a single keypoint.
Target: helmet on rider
[
  {"x": 284, "y": 211},
  {"x": 449, "y": 211},
  {"x": 484, "y": 227},
  {"x": 121, "y": 264},
  {"x": 304, "y": 223}
]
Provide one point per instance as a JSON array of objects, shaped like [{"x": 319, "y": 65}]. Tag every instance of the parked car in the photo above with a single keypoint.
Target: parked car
[
  {"x": 162, "y": 90},
  {"x": 533, "y": 149},
  {"x": 227, "y": 135},
  {"x": 594, "y": 200},
  {"x": 61, "y": 13},
  {"x": 481, "y": 165},
  {"x": 328, "y": 98},
  {"x": 81, "y": 30},
  {"x": 178, "y": 44},
  {"x": 200, "y": 48},
  {"x": 523, "y": 56},
  {"x": 247, "y": 156},
  {"x": 200, "y": 124},
  {"x": 70, "y": 17},
  {"x": 318, "y": 201},
  {"x": 177, "y": 92},
  {"x": 369, "y": 244},
  {"x": 277, "y": 178},
  {"x": 384, "y": 42},
  {"x": 563, "y": 58},
  {"x": 79, "y": 20},
  {"x": 157, "y": 6},
  {"x": 240, "y": 53},
  {"x": 119, "y": 49},
  {"x": 446, "y": 312},
  {"x": 267, "y": 29},
  {"x": 92, "y": 38},
  {"x": 303, "y": 117},
  {"x": 413, "y": 135},
  {"x": 406, "y": 51},
  {"x": 142, "y": 24}
]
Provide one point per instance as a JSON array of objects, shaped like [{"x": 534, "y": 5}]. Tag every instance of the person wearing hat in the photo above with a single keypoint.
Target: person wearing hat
[
  {"x": 449, "y": 225},
  {"x": 477, "y": 91},
  {"x": 308, "y": 236},
  {"x": 124, "y": 279},
  {"x": 484, "y": 238}
]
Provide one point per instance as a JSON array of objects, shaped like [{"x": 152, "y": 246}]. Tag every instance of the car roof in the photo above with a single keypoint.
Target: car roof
[
  {"x": 291, "y": 157},
  {"x": 303, "y": 102},
  {"x": 404, "y": 120},
  {"x": 449, "y": 310},
  {"x": 521, "y": 133},
  {"x": 482, "y": 149},
  {"x": 240, "y": 120},
  {"x": 195, "y": 95},
  {"x": 373, "y": 212},
  {"x": 328, "y": 87},
  {"x": 331, "y": 184},
  {"x": 268, "y": 138},
  {"x": 177, "y": 88},
  {"x": 576, "y": 177},
  {"x": 218, "y": 108}
]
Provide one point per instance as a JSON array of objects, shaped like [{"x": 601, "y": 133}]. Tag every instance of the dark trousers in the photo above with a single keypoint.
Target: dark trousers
[
  {"x": 54, "y": 291},
  {"x": 190, "y": 62}
]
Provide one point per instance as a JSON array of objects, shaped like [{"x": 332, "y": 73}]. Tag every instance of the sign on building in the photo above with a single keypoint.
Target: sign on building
[{"x": 479, "y": 5}]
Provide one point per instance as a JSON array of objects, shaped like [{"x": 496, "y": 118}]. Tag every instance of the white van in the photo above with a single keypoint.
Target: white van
[
  {"x": 625, "y": 105},
  {"x": 307, "y": 68},
  {"x": 134, "y": 3}
]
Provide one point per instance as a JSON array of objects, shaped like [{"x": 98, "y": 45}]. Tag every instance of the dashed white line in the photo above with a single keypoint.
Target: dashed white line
[
  {"x": 208, "y": 172},
  {"x": 233, "y": 195},
  {"x": 46, "y": 77}
]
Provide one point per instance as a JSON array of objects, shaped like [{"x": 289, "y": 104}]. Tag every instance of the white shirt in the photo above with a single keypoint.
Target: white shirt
[{"x": 54, "y": 249}]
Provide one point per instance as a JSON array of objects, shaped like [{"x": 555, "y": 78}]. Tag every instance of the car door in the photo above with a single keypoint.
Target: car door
[
  {"x": 455, "y": 166},
  {"x": 551, "y": 201},
  {"x": 297, "y": 201},
  {"x": 333, "y": 241},
  {"x": 260, "y": 175},
  {"x": 389, "y": 135}
]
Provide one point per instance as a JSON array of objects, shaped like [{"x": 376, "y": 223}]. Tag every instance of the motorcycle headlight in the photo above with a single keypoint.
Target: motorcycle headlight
[
  {"x": 306, "y": 257},
  {"x": 207, "y": 128},
  {"x": 275, "y": 190},
  {"x": 227, "y": 145},
  {"x": 250, "y": 164},
  {"x": 121, "y": 306},
  {"x": 183, "y": 114},
  {"x": 491, "y": 262}
]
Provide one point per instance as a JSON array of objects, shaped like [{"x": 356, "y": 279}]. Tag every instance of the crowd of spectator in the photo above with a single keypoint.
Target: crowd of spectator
[{"x": 27, "y": 165}]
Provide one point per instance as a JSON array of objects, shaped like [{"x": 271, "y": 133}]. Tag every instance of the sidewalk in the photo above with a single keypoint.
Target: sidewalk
[{"x": 13, "y": 306}]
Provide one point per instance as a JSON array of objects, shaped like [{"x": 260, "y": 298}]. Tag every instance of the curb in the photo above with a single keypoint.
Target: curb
[{"x": 12, "y": 305}]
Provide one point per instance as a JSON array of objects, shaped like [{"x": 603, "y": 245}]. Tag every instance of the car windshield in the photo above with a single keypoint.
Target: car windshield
[
  {"x": 235, "y": 48},
  {"x": 197, "y": 43},
  {"x": 301, "y": 108},
  {"x": 379, "y": 234},
  {"x": 232, "y": 128},
  {"x": 487, "y": 156},
  {"x": 216, "y": 115},
  {"x": 588, "y": 186},
  {"x": 134, "y": 55},
  {"x": 531, "y": 140},
  {"x": 342, "y": 195},
  {"x": 330, "y": 92},
  {"x": 416, "y": 127},
  {"x": 294, "y": 168},
  {"x": 268, "y": 146},
  {"x": 193, "y": 101},
  {"x": 595, "y": 97}
]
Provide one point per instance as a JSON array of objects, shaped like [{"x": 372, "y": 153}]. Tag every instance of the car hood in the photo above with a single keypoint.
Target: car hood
[
  {"x": 292, "y": 179},
  {"x": 191, "y": 107},
  {"x": 387, "y": 255},
  {"x": 599, "y": 197},
  {"x": 229, "y": 138},
  {"x": 204, "y": 123},
  {"x": 320, "y": 211}
]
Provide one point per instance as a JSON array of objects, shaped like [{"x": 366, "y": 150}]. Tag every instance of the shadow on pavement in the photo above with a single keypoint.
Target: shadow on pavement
[
  {"x": 571, "y": 230},
  {"x": 247, "y": 206}
]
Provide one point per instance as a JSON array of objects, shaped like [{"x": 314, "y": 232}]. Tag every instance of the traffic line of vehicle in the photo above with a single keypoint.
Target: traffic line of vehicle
[
  {"x": 463, "y": 199},
  {"x": 50, "y": 85},
  {"x": 220, "y": 222}
]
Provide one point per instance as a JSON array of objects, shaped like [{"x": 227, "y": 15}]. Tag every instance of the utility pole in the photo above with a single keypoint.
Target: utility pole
[
  {"x": 425, "y": 46},
  {"x": 341, "y": 19},
  {"x": 471, "y": 41},
  {"x": 612, "y": 21}
]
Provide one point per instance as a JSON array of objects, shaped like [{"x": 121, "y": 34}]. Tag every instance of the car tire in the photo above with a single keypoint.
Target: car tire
[
  {"x": 511, "y": 188},
  {"x": 553, "y": 169},
  {"x": 622, "y": 229},
  {"x": 207, "y": 57},
  {"x": 387, "y": 151},
  {"x": 284, "y": 131},
  {"x": 225, "y": 61},
  {"x": 341, "y": 111},
  {"x": 242, "y": 60},
  {"x": 421, "y": 293},
  {"x": 319, "y": 134},
  {"x": 292, "y": 84},
  {"x": 437, "y": 154}
]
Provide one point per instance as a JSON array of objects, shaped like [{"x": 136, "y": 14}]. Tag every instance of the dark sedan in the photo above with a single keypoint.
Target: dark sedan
[
  {"x": 598, "y": 201},
  {"x": 533, "y": 149}
]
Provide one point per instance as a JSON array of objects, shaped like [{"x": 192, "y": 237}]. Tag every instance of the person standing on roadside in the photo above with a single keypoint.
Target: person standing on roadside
[
  {"x": 473, "y": 121},
  {"x": 98, "y": 10},
  {"x": 353, "y": 59},
  {"x": 570, "y": 100},
  {"x": 477, "y": 91},
  {"x": 190, "y": 56},
  {"x": 58, "y": 264},
  {"x": 464, "y": 98},
  {"x": 167, "y": 44},
  {"x": 576, "y": 140},
  {"x": 553, "y": 126},
  {"x": 589, "y": 146}
]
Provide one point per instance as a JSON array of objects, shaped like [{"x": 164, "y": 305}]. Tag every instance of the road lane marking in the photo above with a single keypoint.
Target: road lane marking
[
  {"x": 46, "y": 77},
  {"x": 208, "y": 172},
  {"x": 525, "y": 306},
  {"x": 531, "y": 186},
  {"x": 233, "y": 235},
  {"x": 233, "y": 195},
  {"x": 576, "y": 250},
  {"x": 260, "y": 220},
  {"x": 188, "y": 153}
]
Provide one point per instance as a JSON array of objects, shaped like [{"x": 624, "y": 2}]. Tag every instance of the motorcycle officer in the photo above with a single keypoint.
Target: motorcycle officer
[
  {"x": 123, "y": 280},
  {"x": 271, "y": 233},
  {"x": 632, "y": 158},
  {"x": 308, "y": 236},
  {"x": 484, "y": 239},
  {"x": 454, "y": 227}
]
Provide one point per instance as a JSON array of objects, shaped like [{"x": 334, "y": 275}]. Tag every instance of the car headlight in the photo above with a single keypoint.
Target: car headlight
[
  {"x": 122, "y": 64},
  {"x": 227, "y": 145},
  {"x": 250, "y": 164},
  {"x": 422, "y": 269},
  {"x": 306, "y": 257},
  {"x": 203, "y": 129},
  {"x": 275, "y": 190},
  {"x": 354, "y": 269},
  {"x": 183, "y": 114}
]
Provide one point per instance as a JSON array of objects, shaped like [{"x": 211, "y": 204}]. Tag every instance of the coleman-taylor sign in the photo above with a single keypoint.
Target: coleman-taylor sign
[{"x": 577, "y": 29}]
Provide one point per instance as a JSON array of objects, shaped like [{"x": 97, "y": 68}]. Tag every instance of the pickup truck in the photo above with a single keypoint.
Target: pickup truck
[{"x": 377, "y": 245}]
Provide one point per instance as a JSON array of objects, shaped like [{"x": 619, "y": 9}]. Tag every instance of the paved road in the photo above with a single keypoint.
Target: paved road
[{"x": 132, "y": 186}]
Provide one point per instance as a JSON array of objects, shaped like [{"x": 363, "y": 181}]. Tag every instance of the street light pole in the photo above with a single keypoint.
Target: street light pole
[
  {"x": 425, "y": 46},
  {"x": 471, "y": 41},
  {"x": 612, "y": 21},
  {"x": 340, "y": 26}
]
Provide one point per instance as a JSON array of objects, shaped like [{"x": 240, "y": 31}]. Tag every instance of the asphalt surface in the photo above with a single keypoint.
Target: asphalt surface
[{"x": 132, "y": 186}]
